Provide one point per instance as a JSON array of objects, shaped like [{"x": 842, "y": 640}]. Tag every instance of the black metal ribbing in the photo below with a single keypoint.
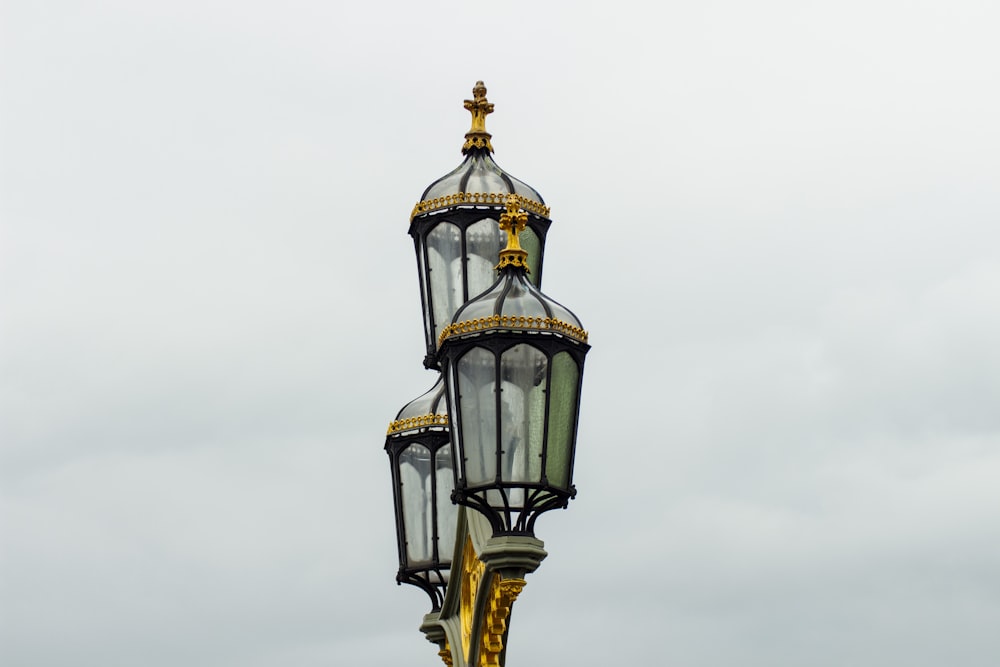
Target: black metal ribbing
[
  {"x": 498, "y": 308},
  {"x": 462, "y": 184},
  {"x": 506, "y": 179},
  {"x": 541, "y": 299}
]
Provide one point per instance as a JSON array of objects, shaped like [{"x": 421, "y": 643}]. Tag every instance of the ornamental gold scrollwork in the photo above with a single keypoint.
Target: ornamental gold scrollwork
[
  {"x": 473, "y": 570},
  {"x": 502, "y": 594},
  {"x": 512, "y": 322},
  {"x": 477, "y": 142},
  {"x": 479, "y": 107},
  {"x": 513, "y": 221},
  {"x": 481, "y": 198},
  {"x": 445, "y": 654},
  {"x": 422, "y": 421},
  {"x": 513, "y": 258}
]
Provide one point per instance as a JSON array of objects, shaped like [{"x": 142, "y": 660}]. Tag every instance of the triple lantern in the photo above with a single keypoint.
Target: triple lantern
[{"x": 497, "y": 431}]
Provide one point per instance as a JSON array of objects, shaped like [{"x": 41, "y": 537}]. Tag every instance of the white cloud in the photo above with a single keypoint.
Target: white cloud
[{"x": 777, "y": 222}]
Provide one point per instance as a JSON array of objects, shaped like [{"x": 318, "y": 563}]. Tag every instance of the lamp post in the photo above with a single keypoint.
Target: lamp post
[{"x": 497, "y": 433}]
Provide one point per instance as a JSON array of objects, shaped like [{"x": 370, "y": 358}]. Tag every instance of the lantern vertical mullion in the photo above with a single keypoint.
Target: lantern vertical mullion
[
  {"x": 463, "y": 229},
  {"x": 425, "y": 297},
  {"x": 427, "y": 282}
]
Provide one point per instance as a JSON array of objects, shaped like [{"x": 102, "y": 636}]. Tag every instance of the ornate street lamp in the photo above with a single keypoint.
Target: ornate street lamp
[
  {"x": 513, "y": 365},
  {"x": 423, "y": 477},
  {"x": 455, "y": 227},
  {"x": 497, "y": 432}
]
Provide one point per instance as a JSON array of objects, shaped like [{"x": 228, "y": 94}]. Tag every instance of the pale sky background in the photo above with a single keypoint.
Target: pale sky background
[{"x": 778, "y": 221}]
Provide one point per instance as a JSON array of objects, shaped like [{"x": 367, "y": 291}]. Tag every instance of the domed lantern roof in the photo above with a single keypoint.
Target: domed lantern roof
[
  {"x": 427, "y": 410},
  {"x": 455, "y": 227},
  {"x": 423, "y": 478},
  {"x": 513, "y": 359}
]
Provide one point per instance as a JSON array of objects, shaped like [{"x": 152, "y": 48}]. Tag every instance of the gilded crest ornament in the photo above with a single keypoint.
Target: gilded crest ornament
[{"x": 479, "y": 107}]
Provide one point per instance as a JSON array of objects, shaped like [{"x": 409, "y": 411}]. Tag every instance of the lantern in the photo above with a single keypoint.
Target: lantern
[
  {"x": 455, "y": 227},
  {"x": 513, "y": 359},
  {"x": 423, "y": 477}
]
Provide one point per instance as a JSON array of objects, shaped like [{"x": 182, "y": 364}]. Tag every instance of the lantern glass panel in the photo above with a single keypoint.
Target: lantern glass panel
[
  {"x": 484, "y": 176},
  {"x": 562, "y": 418},
  {"x": 529, "y": 241},
  {"x": 424, "y": 296},
  {"x": 519, "y": 301},
  {"x": 415, "y": 480},
  {"x": 448, "y": 184},
  {"x": 560, "y": 312},
  {"x": 444, "y": 256},
  {"x": 422, "y": 492},
  {"x": 447, "y": 512},
  {"x": 477, "y": 389},
  {"x": 484, "y": 241},
  {"x": 522, "y": 416}
]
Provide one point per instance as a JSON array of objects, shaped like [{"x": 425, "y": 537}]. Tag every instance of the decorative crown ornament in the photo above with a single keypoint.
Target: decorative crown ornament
[
  {"x": 513, "y": 221},
  {"x": 479, "y": 107}
]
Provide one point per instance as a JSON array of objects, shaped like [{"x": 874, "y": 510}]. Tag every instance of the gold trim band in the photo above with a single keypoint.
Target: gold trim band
[
  {"x": 512, "y": 322},
  {"x": 484, "y": 198},
  {"x": 409, "y": 423}
]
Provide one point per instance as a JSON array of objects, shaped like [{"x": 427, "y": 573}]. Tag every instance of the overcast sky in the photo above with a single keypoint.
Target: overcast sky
[{"x": 779, "y": 221}]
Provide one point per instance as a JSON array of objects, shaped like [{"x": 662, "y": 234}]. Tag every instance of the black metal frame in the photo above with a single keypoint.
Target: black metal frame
[
  {"x": 462, "y": 216},
  {"x": 540, "y": 496},
  {"x": 431, "y": 578}
]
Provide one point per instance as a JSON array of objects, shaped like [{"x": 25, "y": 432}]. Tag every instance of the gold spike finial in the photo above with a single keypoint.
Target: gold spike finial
[
  {"x": 479, "y": 107},
  {"x": 513, "y": 221}
]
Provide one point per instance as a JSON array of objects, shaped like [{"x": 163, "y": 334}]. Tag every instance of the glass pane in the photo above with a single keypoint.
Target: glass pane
[
  {"x": 483, "y": 242},
  {"x": 562, "y": 418},
  {"x": 422, "y": 267},
  {"x": 525, "y": 190},
  {"x": 415, "y": 478},
  {"x": 483, "y": 307},
  {"x": 454, "y": 417},
  {"x": 522, "y": 415},
  {"x": 447, "y": 511},
  {"x": 444, "y": 255},
  {"x": 477, "y": 392},
  {"x": 519, "y": 301},
  {"x": 449, "y": 183},
  {"x": 494, "y": 498},
  {"x": 529, "y": 241},
  {"x": 560, "y": 312},
  {"x": 485, "y": 176}
]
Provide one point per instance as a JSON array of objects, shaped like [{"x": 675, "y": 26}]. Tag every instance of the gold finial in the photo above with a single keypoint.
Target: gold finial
[
  {"x": 480, "y": 107},
  {"x": 513, "y": 221}
]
